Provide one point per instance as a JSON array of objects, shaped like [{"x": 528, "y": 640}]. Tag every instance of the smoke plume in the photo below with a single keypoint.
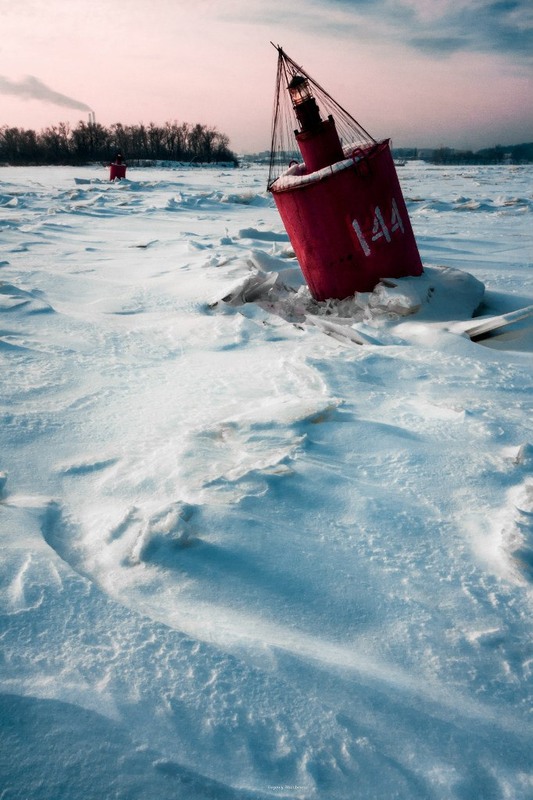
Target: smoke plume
[{"x": 32, "y": 88}]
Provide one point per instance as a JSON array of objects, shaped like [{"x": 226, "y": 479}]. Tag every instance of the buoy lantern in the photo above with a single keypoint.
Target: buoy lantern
[
  {"x": 342, "y": 206},
  {"x": 118, "y": 168}
]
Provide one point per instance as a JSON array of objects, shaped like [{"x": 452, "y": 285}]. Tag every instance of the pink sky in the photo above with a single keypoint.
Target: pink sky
[{"x": 424, "y": 72}]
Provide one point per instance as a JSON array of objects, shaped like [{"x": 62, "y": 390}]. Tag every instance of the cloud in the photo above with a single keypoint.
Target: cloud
[
  {"x": 438, "y": 28},
  {"x": 489, "y": 26},
  {"x": 485, "y": 27},
  {"x": 32, "y": 88}
]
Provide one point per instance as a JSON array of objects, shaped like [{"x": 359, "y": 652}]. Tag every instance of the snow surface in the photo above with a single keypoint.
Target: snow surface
[{"x": 242, "y": 558}]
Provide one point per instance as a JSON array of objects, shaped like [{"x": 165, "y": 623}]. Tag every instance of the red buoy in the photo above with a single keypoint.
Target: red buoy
[
  {"x": 343, "y": 207},
  {"x": 117, "y": 169}
]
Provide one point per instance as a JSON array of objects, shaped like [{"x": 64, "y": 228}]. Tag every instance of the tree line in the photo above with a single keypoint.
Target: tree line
[
  {"x": 515, "y": 154},
  {"x": 499, "y": 154},
  {"x": 89, "y": 142}
]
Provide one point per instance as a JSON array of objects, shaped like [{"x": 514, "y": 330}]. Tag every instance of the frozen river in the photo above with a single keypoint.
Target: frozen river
[{"x": 242, "y": 558}]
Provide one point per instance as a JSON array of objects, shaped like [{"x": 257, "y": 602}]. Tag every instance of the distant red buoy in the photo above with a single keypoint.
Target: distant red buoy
[
  {"x": 118, "y": 168},
  {"x": 343, "y": 207}
]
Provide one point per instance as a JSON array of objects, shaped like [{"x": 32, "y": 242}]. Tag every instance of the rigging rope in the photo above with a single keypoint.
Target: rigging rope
[{"x": 283, "y": 148}]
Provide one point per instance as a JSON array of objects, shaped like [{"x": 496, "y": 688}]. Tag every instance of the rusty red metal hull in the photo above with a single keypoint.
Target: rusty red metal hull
[
  {"x": 117, "y": 171},
  {"x": 348, "y": 223}
]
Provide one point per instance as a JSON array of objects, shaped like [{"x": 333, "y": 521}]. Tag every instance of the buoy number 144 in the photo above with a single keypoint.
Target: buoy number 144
[{"x": 380, "y": 229}]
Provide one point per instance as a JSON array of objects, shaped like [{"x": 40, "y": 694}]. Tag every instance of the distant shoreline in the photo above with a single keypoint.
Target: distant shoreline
[{"x": 499, "y": 154}]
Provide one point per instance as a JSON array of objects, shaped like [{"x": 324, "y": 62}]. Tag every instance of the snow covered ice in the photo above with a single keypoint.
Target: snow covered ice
[{"x": 243, "y": 555}]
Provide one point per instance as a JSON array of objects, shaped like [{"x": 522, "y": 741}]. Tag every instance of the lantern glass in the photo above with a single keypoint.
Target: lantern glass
[{"x": 299, "y": 90}]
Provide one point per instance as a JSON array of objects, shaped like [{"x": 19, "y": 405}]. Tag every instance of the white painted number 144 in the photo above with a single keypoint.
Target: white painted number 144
[{"x": 380, "y": 229}]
